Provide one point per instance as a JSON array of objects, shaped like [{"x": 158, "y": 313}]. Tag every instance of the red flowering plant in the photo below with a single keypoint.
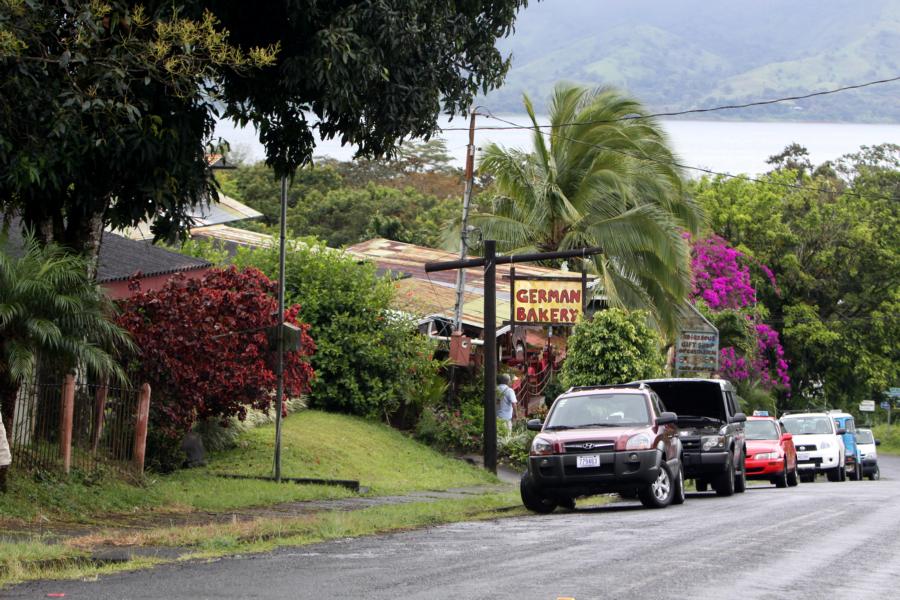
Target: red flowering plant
[
  {"x": 204, "y": 348},
  {"x": 722, "y": 286}
]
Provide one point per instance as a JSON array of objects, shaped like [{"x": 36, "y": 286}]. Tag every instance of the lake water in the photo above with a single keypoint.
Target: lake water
[{"x": 726, "y": 146}]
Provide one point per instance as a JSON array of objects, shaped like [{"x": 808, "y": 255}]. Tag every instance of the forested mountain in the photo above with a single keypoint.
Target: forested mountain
[{"x": 690, "y": 53}]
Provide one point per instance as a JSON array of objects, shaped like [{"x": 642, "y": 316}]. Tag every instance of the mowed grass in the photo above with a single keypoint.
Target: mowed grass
[
  {"x": 889, "y": 436},
  {"x": 324, "y": 445},
  {"x": 24, "y": 561},
  {"x": 315, "y": 445}
]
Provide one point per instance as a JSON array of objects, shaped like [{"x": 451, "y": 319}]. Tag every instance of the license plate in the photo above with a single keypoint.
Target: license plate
[
  {"x": 591, "y": 460},
  {"x": 803, "y": 456}
]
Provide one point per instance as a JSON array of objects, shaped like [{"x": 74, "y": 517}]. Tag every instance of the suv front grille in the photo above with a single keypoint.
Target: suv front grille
[
  {"x": 690, "y": 443},
  {"x": 806, "y": 448},
  {"x": 592, "y": 446}
]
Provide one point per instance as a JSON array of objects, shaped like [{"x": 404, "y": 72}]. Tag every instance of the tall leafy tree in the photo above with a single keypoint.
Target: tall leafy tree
[
  {"x": 598, "y": 178},
  {"x": 833, "y": 246},
  {"x": 50, "y": 309},
  {"x": 106, "y": 108}
]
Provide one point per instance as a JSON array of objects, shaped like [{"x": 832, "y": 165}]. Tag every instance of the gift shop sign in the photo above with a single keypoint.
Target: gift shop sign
[
  {"x": 547, "y": 301},
  {"x": 697, "y": 351}
]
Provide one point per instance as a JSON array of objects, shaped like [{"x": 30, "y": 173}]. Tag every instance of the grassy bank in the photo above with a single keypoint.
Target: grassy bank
[
  {"x": 889, "y": 435},
  {"x": 315, "y": 444}
]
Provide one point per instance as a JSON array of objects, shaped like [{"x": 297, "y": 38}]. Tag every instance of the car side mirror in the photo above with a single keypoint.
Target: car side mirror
[
  {"x": 666, "y": 418},
  {"x": 877, "y": 442},
  {"x": 786, "y": 437},
  {"x": 534, "y": 424},
  {"x": 738, "y": 418},
  {"x": 841, "y": 431}
]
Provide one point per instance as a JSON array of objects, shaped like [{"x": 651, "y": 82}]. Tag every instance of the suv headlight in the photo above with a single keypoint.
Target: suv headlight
[
  {"x": 541, "y": 447},
  {"x": 825, "y": 445},
  {"x": 766, "y": 456},
  {"x": 713, "y": 442},
  {"x": 640, "y": 441}
]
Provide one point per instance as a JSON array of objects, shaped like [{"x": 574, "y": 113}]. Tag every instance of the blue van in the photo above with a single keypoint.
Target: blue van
[{"x": 852, "y": 458}]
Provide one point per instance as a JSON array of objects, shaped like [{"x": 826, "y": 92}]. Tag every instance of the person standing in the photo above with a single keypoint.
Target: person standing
[
  {"x": 5, "y": 457},
  {"x": 506, "y": 401}
]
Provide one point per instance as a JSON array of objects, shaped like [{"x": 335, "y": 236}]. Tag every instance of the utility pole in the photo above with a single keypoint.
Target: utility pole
[
  {"x": 279, "y": 394},
  {"x": 464, "y": 230},
  {"x": 489, "y": 262}
]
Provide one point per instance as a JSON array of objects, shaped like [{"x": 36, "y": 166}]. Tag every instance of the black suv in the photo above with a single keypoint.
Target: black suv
[
  {"x": 604, "y": 439},
  {"x": 711, "y": 428}
]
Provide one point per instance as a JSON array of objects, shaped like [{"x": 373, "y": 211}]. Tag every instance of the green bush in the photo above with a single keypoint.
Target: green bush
[
  {"x": 513, "y": 447},
  {"x": 369, "y": 361},
  {"x": 458, "y": 428},
  {"x": 615, "y": 346},
  {"x": 889, "y": 436}
]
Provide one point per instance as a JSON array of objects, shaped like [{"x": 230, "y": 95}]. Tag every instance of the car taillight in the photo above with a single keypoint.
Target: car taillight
[{"x": 541, "y": 447}]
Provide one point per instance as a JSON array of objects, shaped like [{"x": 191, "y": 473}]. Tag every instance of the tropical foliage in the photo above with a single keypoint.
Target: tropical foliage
[
  {"x": 204, "y": 348},
  {"x": 750, "y": 352},
  {"x": 107, "y": 109},
  {"x": 51, "y": 313},
  {"x": 614, "y": 346},
  {"x": 834, "y": 246},
  {"x": 369, "y": 361},
  {"x": 598, "y": 178},
  {"x": 407, "y": 199}
]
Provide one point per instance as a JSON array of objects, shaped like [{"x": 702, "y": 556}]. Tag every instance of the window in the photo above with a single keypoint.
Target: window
[
  {"x": 599, "y": 410},
  {"x": 761, "y": 430},
  {"x": 730, "y": 399}
]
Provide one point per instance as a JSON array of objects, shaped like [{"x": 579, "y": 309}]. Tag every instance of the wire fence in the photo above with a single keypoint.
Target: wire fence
[{"x": 79, "y": 426}]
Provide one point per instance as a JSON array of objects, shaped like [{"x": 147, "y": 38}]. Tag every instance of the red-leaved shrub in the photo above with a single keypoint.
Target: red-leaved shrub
[{"x": 204, "y": 349}]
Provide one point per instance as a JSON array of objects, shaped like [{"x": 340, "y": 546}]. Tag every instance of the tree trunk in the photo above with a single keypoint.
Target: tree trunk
[
  {"x": 84, "y": 234},
  {"x": 9, "y": 391}
]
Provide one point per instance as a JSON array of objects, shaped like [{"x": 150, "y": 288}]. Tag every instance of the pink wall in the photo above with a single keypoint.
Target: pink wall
[{"x": 119, "y": 289}]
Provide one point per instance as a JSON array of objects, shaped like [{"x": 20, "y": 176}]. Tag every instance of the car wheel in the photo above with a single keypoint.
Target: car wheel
[
  {"x": 659, "y": 493},
  {"x": 781, "y": 480},
  {"x": 843, "y": 474},
  {"x": 678, "y": 498},
  {"x": 568, "y": 503},
  {"x": 532, "y": 498},
  {"x": 792, "y": 478},
  {"x": 740, "y": 481},
  {"x": 875, "y": 475},
  {"x": 808, "y": 477},
  {"x": 835, "y": 473},
  {"x": 701, "y": 485},
  {"x": 724, "y": 484}
]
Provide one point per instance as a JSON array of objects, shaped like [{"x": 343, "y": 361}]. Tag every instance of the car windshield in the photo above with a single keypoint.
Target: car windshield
[
  {"x": 760, "y": 430},
  {"x": 602, "y": 410},
  {"x": 808, "y": 425},
  {"x": 864, "y": 437}
]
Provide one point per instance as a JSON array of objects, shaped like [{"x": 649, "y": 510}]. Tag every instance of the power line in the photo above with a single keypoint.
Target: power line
[
  {"x": 694, "y": 168},
  {"x": 689, "y": 111}
]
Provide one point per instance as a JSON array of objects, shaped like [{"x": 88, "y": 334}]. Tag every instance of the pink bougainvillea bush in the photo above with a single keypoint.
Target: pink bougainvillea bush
[{"x": 721, "y": 281}]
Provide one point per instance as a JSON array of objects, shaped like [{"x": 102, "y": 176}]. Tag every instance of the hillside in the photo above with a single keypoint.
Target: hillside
[{"x": 695, "y": 53}]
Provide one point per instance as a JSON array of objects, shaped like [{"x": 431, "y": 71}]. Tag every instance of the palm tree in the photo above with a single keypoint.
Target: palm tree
[
  {"x": 51, "y": 310},
  {"x": 598, "y": 177}
]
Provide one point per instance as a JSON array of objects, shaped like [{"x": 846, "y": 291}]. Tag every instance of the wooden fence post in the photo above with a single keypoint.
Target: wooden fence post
[
  {"x": 66, "y": 418},
  {"x": 140, "y": 428}
]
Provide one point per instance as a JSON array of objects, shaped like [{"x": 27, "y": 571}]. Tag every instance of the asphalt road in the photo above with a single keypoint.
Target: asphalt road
[{"x": 820, "y": 540}]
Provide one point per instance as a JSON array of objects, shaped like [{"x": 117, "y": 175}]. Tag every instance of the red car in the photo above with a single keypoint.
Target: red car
[{"x": 770, "y": 452}]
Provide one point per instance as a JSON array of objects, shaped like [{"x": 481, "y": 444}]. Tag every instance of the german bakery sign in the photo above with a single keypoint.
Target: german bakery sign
[{"x": 547, "y": 301}]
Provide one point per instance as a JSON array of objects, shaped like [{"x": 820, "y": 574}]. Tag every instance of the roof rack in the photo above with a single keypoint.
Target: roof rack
[{"x": 580, "y": 388}]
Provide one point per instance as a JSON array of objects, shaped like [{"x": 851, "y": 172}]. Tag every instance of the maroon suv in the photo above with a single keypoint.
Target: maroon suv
[{"x": 604, "y": 439}]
